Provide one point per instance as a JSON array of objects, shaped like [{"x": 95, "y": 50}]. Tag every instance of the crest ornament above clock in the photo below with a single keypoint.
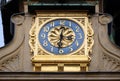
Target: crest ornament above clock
[{"x": 61, "y": 42}]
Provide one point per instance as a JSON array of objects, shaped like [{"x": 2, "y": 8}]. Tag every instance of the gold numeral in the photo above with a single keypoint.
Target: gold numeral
[
  {"x": 61, "y": 51},
  {"x": 71, "y": 49},
  {"x": 45, "y": 43},
  {"x": 70, "y": 24},
  {"x": 46, "y": 29},
  {"x": 76, "y": 42},
  {"x": 43, "y": 35},
  {"x": 80, "y": 36},
  {"x": 52, "y": 24},
  {"x": 62, "y": 22},
  {"x": 51, "y": 48},
  {"x": 77, "y": 28}
]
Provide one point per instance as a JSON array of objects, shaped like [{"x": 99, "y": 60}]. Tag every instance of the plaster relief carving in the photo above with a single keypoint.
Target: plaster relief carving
[
  {"x": 10, "y": 53},
  {"x": 11, "y": 65},
  {"x": 105, "y": 55},
  {"x": 111, "y": 53},
  {"x": 111, "y": 64}
]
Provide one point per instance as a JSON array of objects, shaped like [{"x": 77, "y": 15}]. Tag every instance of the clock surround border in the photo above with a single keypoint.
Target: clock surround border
[
  {"x": 89, "y": 35},
  {"x": 55, "y": 18}
]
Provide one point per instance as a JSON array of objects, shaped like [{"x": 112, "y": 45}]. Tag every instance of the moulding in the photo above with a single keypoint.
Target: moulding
[{"x": 60, "y": 76}]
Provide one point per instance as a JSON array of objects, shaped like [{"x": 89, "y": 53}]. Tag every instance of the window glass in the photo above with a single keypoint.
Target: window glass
[{"x": 1, "y": 32}]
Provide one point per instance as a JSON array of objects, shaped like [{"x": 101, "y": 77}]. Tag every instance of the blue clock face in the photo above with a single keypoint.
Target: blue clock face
[{"x": 61, "y": 36}]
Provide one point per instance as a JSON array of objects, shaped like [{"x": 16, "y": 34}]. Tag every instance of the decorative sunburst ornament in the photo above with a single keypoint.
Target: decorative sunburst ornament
[{"x": 61, "y": 34}]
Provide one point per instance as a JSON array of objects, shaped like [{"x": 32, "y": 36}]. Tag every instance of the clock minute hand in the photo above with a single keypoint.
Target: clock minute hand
[
  {"x": 61, "y": 37},
  {"x": 60, "y": 41}
]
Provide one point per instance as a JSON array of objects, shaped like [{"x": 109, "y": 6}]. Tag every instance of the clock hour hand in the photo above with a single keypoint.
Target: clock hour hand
[{"x": 69, "y": 37}]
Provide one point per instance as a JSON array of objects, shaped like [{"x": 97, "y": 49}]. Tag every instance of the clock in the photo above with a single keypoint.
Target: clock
[
  {"x": 61, "y": 42},
  {"x": 61, "y": 36}
]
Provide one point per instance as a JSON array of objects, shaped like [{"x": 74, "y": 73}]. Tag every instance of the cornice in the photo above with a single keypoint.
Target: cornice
[{"x": 77, "y": 76}]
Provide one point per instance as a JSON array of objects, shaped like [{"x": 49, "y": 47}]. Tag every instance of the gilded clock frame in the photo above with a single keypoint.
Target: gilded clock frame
[
  {"x": 55, "y": 18},
  {"x": 42, "y": 57}
]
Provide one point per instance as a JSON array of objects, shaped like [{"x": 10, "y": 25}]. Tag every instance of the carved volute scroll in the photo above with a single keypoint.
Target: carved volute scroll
[
  {"x": 111, "y": 53},
  {"x": 10, "y": 54},
  {"x": 106, "y": 55}
]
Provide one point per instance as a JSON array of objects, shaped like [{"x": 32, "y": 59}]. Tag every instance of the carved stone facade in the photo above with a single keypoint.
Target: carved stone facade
[
  {"x": 105, "y": 53},
  {"x": 16, "y": 56}
]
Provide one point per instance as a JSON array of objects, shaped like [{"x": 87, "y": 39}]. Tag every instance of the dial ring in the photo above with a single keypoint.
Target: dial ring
[{"x": 73, "y": 20}]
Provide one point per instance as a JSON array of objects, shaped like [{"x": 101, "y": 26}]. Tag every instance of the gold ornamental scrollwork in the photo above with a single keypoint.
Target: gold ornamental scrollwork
[
  {"x": 90, "y": 39},
  {"x": 89, "y": 31},
  {"x": 32, "y": 35}
]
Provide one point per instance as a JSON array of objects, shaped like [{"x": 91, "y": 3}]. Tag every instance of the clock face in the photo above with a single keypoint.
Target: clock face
[{"x": 61, "y": 36}]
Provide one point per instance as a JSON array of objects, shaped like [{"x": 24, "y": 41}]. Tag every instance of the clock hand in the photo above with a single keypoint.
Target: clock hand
[
  {"x": 61, "y": 37},
  {"x": 69, "y": 37}
]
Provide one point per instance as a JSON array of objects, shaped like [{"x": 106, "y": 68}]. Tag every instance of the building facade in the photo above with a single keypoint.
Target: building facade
[{"x": 60, "y": 40}]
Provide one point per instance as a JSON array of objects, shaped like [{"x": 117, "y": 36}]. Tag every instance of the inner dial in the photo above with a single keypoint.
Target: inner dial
[{"x": 61, "y": 36}]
